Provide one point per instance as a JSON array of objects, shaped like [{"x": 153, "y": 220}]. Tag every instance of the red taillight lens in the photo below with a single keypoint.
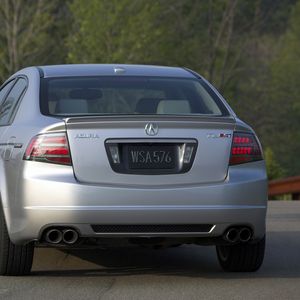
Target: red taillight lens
[
  {"x": 245, "y": 148},
  {"x": 50, "y": 147}
]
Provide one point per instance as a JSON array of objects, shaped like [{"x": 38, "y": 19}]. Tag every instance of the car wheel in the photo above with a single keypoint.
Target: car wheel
[
  {"x": 242, "y": 257},
  {"x": 14, "y": 260}
]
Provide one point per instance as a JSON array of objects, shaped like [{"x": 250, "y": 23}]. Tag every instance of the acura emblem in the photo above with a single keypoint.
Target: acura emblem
[{"x": 151, "y": 129}]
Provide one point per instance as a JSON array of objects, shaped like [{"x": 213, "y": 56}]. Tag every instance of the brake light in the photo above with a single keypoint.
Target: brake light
[
  {"x": 245, "y": 148},
  {"x": 50, "y": 148}
]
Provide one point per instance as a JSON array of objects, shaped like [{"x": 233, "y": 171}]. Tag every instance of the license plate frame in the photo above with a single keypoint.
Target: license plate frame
[{"x": 120, "y": 148}]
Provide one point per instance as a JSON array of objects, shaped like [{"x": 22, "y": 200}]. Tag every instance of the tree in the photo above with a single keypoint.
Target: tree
[
  {"x": 28, "y": 33},
  {"x": 113, "y": 31},
  {"x": 274, "y": 170},
  {"x": 286, "y": 97}
]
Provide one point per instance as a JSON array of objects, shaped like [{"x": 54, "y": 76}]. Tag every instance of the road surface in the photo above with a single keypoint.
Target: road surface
[{"x": 186, "y": 272}]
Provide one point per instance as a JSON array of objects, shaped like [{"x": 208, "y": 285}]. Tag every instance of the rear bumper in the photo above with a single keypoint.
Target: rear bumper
[{"x": 54, "y": 197}]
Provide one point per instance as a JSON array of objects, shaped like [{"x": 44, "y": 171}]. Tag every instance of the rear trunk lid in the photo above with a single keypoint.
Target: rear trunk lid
[{"x": 90, "y": 139}]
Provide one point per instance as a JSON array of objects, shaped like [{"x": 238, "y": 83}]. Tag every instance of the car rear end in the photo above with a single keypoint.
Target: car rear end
[{"x": 147, "y": 158}]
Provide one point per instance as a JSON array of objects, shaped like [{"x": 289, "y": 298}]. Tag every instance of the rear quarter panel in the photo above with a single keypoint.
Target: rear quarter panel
[{"x": 27, "y": 122}]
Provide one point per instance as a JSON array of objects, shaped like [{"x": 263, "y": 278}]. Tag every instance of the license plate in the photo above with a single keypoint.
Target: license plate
[{"x": 151, "y": 157}]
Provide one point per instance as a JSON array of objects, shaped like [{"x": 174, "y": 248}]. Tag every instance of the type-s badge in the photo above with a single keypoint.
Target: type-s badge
[{"x": 219, "y": 135}]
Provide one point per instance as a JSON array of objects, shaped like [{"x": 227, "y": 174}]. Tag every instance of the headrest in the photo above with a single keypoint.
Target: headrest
[
  {"x": 72, "y": 106},
  {"x": 147, "y": 105},
  {"x": 173, "y": 107},
  {"x": 86, "y": 94},
  {"x": 53, "y": 97}
]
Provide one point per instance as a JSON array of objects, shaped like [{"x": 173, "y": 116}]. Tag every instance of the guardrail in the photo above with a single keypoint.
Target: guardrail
[{"x": 290, "y": 185}]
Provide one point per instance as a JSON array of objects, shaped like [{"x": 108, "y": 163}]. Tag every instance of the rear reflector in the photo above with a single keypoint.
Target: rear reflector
[
  {"x": 245, "y": 148},
  {"x": 50, "y": 148}
]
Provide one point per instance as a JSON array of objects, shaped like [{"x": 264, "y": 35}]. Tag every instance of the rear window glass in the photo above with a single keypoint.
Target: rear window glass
[{"x": 121, "y": 95}]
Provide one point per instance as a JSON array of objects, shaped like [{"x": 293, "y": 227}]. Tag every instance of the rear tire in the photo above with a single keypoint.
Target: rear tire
[
  {"x": 14, "y": 260},
  {"x": 242, "y": 257}
]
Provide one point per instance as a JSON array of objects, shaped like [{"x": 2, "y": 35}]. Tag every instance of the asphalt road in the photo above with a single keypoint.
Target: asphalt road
[{"x": 186, "y": 272}]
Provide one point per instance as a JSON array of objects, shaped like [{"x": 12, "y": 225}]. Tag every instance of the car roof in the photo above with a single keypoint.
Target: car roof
[{"x": 112, "y": 69}]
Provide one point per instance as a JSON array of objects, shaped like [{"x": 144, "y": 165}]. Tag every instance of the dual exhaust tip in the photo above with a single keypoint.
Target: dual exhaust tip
[
  {"x": 56, "y": 236},
  {"x": 234, "y": 235}
]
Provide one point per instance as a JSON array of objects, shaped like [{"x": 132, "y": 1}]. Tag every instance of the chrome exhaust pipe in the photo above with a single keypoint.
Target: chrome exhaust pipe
[
  {"x": 245, "y": 234},
  {"x": 70, "y": 236},
  {"x": 232, "y": 235},
  {"x": 53, "y": 236}
]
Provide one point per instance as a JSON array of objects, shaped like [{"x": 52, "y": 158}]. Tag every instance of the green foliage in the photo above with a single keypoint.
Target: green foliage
[
  {"x": 285, "y": 96},
  {"x": 274, "y": 170},
  {"x": 114, "y": 31},
  {"x": 29, "y": 34}
]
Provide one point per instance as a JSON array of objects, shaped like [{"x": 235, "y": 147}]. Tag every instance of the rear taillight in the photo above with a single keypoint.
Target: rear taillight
[
  {"x": 50, "y": 148},
  {"x": 245, "y": 148}
]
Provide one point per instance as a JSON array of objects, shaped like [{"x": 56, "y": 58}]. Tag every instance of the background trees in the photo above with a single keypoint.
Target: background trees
[
  {"x": 285, "y": 96},
  {"x": 249, "y": 49},
  {"x": 30, "y": 34}
]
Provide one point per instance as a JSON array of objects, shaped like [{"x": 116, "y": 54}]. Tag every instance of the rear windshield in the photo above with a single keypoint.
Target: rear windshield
[{"x": 119, "y": 95}]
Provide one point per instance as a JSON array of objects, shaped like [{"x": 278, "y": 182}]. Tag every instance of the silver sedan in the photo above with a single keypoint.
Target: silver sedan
[{"x": 111, "y": 155}]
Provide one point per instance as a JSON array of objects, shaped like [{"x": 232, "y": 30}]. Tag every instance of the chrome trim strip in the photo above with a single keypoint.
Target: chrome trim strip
[
  {"x": 150, "y": 140},
  {"x": 146, "y": 207}
]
